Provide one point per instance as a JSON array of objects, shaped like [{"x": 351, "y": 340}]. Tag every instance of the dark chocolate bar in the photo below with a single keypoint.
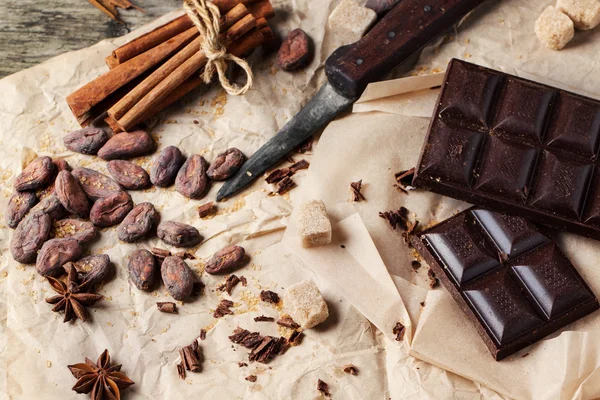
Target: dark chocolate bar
[
  {"x": 510, "y": 279},
  {"x": 515, "y": 146}
]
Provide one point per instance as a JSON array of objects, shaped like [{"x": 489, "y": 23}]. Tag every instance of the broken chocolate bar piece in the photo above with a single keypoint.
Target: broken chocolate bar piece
[
  {"x": 515, "y": 146},
  {"x": 513, "y": 301}
]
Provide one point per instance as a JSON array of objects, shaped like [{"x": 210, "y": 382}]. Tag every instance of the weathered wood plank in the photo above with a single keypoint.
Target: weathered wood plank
[{"x": 32, "y": 31}]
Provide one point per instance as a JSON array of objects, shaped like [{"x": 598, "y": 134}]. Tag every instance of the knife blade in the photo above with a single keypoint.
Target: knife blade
[{"x": 401, "y": 33}]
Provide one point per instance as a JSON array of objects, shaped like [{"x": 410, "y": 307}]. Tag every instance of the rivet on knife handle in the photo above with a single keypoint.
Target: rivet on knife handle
[{"x": 404, "y": 30}]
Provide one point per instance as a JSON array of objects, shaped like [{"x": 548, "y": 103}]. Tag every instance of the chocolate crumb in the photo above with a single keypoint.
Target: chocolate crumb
[
  {"x": 404, "y": 180},
  {"x": 167, "y": 307},
  {"x": 269, "y": 296},
  {"x": 243, "y": 280},
  {"x": 288, "y": 322},
  {"x": 350, "y": 369},
  {"x": 264, "y": 318},
  {"x": 251, "y": 378},
  {"x": 229, "y": 284},
  {"x": 422, "y": 304},
  {"x": 202, "y": 334},
  {"x": 396, "y": 218},
  {"x": 524, "y": 355},
  {"x": 355, "y": 188},
  {"x": 398, "y": 331},
  {"x": 296, "y": 338},
  {"x": 223, "y": 309},
  {"x": 305, "y": 146},
  {"x": 415, "y": 265},
  {"x": 206, "y": 210},
  {"x": 242, "y": 364},
  {"x": 433, "y": 280},
  {"x": 285, "y": 185},
  {"x": 323, "y": 388}
]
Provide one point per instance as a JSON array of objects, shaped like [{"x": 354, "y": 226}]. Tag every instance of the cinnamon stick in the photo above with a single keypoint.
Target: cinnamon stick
[
  {"x": 86, "y": 97},
  {"x": 150, "y": 101},
  {"x": 134, "y": 96}
]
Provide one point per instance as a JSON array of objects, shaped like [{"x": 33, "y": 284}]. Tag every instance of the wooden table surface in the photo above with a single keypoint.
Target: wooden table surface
[{"x": 32, "y": 31}]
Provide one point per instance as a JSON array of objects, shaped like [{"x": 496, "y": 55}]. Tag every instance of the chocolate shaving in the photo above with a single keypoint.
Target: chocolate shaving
[
  {"x": 251, "y": 378},
  {"x": 181, "y": 371},
  {"x": 206, "y": 210},
  {"x": 350, "y": 369},
  {"x": 305, "y": 146},
  {"x": 242, "y": 364},
  {"x": 302, "y": 164},
  {"x": 191, "y": 357},
  {"x": 263, "y": 348},
  {"x": 399, "y": 331},
  {"x": 396, "y": 218},
  {"x": 229, "y": 284},
  {"x": 202, "y": 334},
  {"x": 404, "y": 180},
  {"x": 323, "y": 388},
  {"x": 264, "y": 318},
  {"x": 288, "y": 322},
  {"x": 277, "y": 175},
  {"x": 285, "y": 185},
  {"x": 415, "y": 265},
  {"x": 167, "y": 307},
  {"x": 243, "y": 280},
  {"x": 269, "y": 296},
  {"x": 223, "y": 309},
  {"x": 355, "y": 189},
  {"x": 295, "y": 338},
  {"x": 433, "y": 280}
]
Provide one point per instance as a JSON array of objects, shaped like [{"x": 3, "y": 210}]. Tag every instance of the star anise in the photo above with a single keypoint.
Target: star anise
[
  {"x": 100, "y": 379},
  {"x": 72, "y": 298}
]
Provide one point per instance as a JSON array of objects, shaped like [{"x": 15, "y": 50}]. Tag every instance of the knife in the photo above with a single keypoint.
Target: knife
[{"x": 402, "y": 32}]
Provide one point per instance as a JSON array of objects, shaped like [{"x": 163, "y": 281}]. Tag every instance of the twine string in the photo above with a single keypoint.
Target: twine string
[{"x": 205, "y": 16}]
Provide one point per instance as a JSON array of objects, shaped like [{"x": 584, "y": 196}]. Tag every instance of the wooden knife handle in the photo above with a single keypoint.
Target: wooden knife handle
[{"x": 403, "y": 31}]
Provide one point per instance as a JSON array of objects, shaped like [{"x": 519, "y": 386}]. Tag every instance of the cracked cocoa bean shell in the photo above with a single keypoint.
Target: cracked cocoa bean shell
[
  {"x": 138, "y": 222},
  {"x": 29, "y": 236},
  {"x": 192, "y": 181},
  {"x": 143, "y": 269},
  {"x": 295, "y": 51},
  {"x": 111, "y": 210},
  {"x": 71, "y": 194},
  {"x": 226, "y": 260},
  {"x": 178, "y": 234},
  {"x": 86, "y": 141},
  {"x": 54, "y": 254},
  {"x": 165, "y": 166},
  {"x": 177, "y": 277},
  {"x": 129, "y": 175},
  {"x": 226, "y": 164},
  {"x": 18, "y": 206},
  {"x": 95, "y": 184},
  {"x": 80, "y": 230},
  {"x": 37, "y": 174},
  {"x": 51, "y": 206},
  {"x": 127, "y": 145}
]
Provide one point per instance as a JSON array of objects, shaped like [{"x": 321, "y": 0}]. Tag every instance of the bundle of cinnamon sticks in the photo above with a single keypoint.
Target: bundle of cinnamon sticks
[{"x": 160, "y": 67}]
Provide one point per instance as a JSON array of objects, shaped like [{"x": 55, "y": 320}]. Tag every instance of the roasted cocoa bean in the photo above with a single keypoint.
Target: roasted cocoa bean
[
  {"x": 51, "y": 206},
  {"x": 36, "y": 175},
  {"x": 111, "y": 210},
  {"x": 82, "y": 231},
  {"x": 226, "y": 164},
  {"x": 93, "y": 269},
  {"x": 226, "y": 260},
  {"x": 127, "y": 145},
  {"x": 177, "y": 277},
  {"x": 96, "y": 185},
  {"x": 54, "y": 254},
  {"x": 59, "y": 165},
  {"x": 165, "y": 166},
  {"x": 71, "y": 194},
  {"x": 295, "y": 51},
  {"x": 143, "y": 269},
  {"x": 138, "y": 222},
  {"x": 19, "y": 204},
  {"x": 178, "y": 234},
  {"x": 191, "y": 180},
  {"x": 29, "y": 236},
  {"x": 86, "y": 141},
  {"x": 128, "y": 175}
]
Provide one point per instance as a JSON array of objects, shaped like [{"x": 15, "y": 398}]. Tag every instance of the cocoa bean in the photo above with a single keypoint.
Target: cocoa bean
[
  {"x": 226, "y": 164},
  {"x": 94, "y": 269},
  {"x": 59, "y": 165},
  {"x": 96, "y": 185},
  {"x": 165, "y": 166},
  {"x": 29, "y": 236},
  {"x": 86, "y": 141},
  {"x": 226, "y": 260},
  {"x": 36, "y": 175},
  {"x": 295, "y": 51},
  {"x": 177, "y": 277},
  {"x": 51, "y": 206},
  {"x": 178, "y": 234},
  {"x": 54, "y": 254},
  {"x": 128, "y": 175},
  {"x": 19, "y": 204},
  {"x": 127, "y": 145},
  {"x": 71, "y": 194},
  {"x": 191, "y": 180},
  {"x": 82, "y": 231},
  {"x": 138, "y": 222},
  {"x": 143, "y": 269},
  {"x": 111, "y": 210}
]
